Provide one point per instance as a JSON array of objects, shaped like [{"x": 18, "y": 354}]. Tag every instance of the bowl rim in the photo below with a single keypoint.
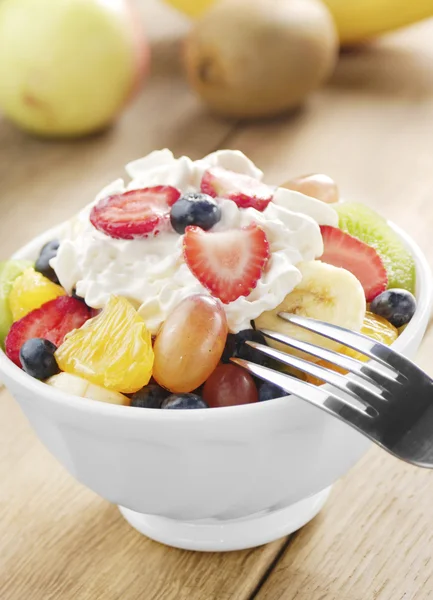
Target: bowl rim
[{"x": 424, "y": 283}]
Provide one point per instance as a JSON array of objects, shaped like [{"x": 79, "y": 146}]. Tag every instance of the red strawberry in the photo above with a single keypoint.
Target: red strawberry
[
  {"x": 227, "y": 263},
  {"x": 344, "y": 250},
  {"x": 52, "y": 322},
  {"x": 244, "y": 190},
  {"x": 135, "y": 214}
]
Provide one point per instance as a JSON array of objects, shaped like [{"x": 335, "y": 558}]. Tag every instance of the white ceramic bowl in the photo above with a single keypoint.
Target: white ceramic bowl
[{"x": 218, "y": 479}]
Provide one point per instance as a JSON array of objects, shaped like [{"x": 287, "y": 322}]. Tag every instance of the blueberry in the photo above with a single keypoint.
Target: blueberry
[
  {"x": 229, "y": 349},
  {"x": 151, "y": 396},
  {"x": 184, "y": 401},
  {"x": 77, "y": 297},
  {"x": 236, "y": 346},
  {"x": 37, "y": 358},
  {"x": 194, "y": 209},
  {"x": 269, "y": 391},
  {"x": 396, "y": 306},
  {"x": 42, "y": 264},
  {"x": 242, "y": 350}
]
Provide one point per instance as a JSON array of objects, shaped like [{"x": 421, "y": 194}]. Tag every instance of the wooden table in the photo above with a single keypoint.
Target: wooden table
[{"x": 371, "y": 129}]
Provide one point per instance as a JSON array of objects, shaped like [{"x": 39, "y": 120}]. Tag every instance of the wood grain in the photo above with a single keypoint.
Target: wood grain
[
  {"x": 45, "y": 181},
  {"x": 371, "y": 129},
  {"x": 373, "y": 541},
  {"x": 58, "y": 540}
]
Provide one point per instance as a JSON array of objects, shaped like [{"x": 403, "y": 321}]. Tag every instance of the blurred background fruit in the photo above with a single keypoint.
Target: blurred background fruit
[
  {"x": 360, "y": 20},
  {"x": 192, "y": 8},
  {"x": 67, "y": 67},
  {"x": 356, "y": 21},
  {"x": 255, "y": 58}
]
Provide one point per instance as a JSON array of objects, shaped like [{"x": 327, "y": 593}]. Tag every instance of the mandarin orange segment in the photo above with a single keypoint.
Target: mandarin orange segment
[
  {"x": 379, "y": 329},
  {"x": 113, "y": 350},
  {"x": 30, "y": 291},
  {"x": 374, "y": 327}
]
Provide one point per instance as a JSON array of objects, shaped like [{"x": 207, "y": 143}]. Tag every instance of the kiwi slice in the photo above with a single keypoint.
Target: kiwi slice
[
  {"x": 365, "y": 224},
  {"x": 9, "y": 271}
]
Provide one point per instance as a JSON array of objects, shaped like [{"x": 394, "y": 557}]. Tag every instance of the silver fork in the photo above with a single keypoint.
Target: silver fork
[{"x": 388, "y": 399}]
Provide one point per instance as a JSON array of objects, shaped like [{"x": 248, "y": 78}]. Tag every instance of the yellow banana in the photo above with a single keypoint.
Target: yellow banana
[
  {"x": 192, "y": 8},
  {"x": 358, "y": 20}
]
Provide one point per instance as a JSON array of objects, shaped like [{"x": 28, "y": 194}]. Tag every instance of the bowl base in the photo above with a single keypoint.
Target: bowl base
[{"x": 213, "y": 535}]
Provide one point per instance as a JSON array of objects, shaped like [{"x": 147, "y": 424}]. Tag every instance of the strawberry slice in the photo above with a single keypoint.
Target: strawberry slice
[
  {"x": 135, "y": 214},
  {"x": 344, "y": 250},
  {"x": 244, "y": 190},
  {"x": 52, "y": 322},
  {"x": 227, "y": 263}
]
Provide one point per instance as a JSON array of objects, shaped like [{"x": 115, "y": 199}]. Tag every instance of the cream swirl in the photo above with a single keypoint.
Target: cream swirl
[{"x": 152, "y": 273}]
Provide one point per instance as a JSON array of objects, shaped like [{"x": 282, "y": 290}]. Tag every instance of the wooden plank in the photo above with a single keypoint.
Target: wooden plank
[
  {"x": 371, "y": 130},
  {"x": 58, "y": 539},
  {"x": 44, "y": 182},
  {"x": 372, "y": 541}
]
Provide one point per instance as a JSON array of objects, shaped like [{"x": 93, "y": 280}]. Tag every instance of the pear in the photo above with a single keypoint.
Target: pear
[
  {"x": 258, "y": 58},
  {"x": 67, "y": 67}
]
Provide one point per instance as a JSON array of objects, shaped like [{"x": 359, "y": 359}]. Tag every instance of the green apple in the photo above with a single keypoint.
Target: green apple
[
  {"x": 9, "y": 271},
  {"x": 193, "y": 8},
  {"x": 67, "y": 67}
]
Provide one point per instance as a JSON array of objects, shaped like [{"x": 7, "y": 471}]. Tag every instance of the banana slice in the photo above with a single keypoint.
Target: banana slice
[
  {"x": 77, "y": 386},
  {"x": 326, "y": 293}
]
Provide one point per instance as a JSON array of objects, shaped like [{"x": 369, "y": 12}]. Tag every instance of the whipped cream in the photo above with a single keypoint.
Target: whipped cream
[{"x": 151, "y": 272}]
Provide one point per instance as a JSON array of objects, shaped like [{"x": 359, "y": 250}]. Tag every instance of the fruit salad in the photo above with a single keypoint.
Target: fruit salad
[{"x": 150, "y": 291}]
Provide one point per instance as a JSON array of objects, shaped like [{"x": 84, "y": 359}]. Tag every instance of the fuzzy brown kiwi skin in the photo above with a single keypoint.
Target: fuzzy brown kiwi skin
[{"x": 259, "y": 58}]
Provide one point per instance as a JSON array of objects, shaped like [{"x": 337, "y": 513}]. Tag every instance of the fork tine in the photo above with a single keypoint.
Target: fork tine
[
  {"x": 339, "y": 407},
  {"x": 366, "y": 371},
  {"x": 357, "y": 341},
  {"x": 356, "y": 390},
  {"x": 385, "y": 355}
]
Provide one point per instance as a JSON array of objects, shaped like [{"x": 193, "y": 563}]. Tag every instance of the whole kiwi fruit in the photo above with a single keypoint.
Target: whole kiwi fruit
[{"x": 259, "y": 58}]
